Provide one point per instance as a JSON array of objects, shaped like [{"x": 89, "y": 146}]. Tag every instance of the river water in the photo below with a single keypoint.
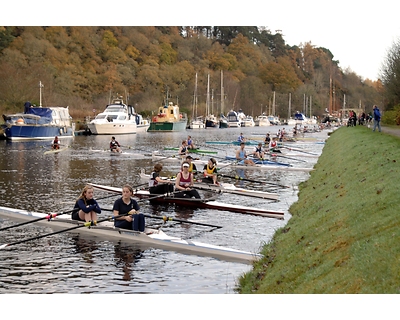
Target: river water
[{"x": 72, "y": 263}]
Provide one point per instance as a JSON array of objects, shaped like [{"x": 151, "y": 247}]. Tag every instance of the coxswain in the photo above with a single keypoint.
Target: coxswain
[
  {"x": 241, "y": 138},
  {"x": 210, "y": 172},
  {"x": 258, "y": 151},
  {"x": 267, "y": 139},
  {"x": 183, "y": 150},
  {"x": 190, "y": 143}
]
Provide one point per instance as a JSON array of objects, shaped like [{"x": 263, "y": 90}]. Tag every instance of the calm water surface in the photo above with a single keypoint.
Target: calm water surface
[{"x": 72, "y": 263}]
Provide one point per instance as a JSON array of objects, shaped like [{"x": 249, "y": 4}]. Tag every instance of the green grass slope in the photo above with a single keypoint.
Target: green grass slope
[{"x": 344, "y": 234}]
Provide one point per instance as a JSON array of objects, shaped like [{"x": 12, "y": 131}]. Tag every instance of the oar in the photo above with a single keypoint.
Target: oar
[
  {"x": 48, "y": 217},
  {"x": 165, "y": 218},
  {"x": 278, "y": 155},
  {"x": 298, "y": 150},
  {"x": 85, "y": 224},
  {"x": 249, "y": 180}
]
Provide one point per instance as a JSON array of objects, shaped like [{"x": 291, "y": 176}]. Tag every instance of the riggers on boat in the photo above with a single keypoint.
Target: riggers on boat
[
  {"x": 199, "y": 203},
  {"x": 149, "y": 238},
  {"x": 223, "y": 188}
]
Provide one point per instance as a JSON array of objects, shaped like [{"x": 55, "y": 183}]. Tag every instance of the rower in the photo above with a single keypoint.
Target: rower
[
  {"x": 258, "y": 151},
  {"x": 210, "y": 172},
  {"x": 114, "y": 145},
  {"x": 157, "y": 185},
  {"x": 184, "y": 183},
  {"x": 241, "y": 138},
  {"x": 190, "y": 143},
  {"x": 241, "y": 156},
  {"x": 267, "y": 139},
  {"x": 56, "y": 143},
  {"x": 192, "y": 168},
  {"x": 183, "y": 150}
]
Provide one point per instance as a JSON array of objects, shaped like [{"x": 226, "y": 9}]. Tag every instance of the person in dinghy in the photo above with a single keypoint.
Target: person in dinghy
[
  {"x": 132, "y": 219},
  {"x": 114, "y": 145},
  {"x": 157, "y": 185},
  {"x": 184, "y": 183},
  {"x": 86, "y": 208}
]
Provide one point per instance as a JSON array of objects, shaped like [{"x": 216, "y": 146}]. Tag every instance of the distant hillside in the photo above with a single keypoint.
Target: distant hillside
[{"x": 84, "y": 66}]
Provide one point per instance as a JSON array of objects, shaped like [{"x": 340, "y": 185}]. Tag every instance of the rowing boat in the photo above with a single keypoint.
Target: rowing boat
[
  {"x": 261, "y": 161},
  {"x": 149, "y": 238},
  {"x": 225, "y": 164},
  {"x": 235, "y": 143},
  {"x": 193, "y": 150},
  {"x": 56, "y": 150},
  {"x": 223, "y": 188},
  {"x": 199, "y": 203}
]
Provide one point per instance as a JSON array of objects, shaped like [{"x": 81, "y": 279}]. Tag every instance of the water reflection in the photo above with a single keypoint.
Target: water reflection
[
  {"x": 126, "y": 258},
  {"x": 85, "y": 248}
]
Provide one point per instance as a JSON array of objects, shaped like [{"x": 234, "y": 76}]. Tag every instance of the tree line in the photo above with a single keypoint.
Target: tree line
[{"x": 84, "y": 67}]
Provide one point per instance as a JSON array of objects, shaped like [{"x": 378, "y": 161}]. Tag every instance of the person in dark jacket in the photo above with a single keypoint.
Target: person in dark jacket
[
  {"x": 377, "y": 118},
  {"x": 86, "y": 207}
]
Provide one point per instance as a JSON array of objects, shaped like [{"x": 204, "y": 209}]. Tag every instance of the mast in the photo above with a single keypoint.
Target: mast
[
  {"x": 273, "y": 105},
  {"x": 222, "y": 92},
  {"x": 40, "y": 93},
  {"x": 208, "y": 96},
  {"x": 290, "y": 106}
]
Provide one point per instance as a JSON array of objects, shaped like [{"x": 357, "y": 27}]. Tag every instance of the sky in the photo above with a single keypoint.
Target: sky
[{"x": 358, "y": 33}]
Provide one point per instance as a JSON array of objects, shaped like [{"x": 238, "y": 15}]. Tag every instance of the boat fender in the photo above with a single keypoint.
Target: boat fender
[
  {"x": 154, "y": 119},
  {"x": 180, "y": 116}
]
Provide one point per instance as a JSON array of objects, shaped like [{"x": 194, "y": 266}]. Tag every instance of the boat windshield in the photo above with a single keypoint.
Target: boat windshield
[{"x": 115, "y": 109}]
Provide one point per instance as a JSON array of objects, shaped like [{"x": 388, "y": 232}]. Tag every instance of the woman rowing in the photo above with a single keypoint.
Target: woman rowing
[
  {"x": 184, "y": 183},
  {"x": 157, "y": 185},
  {"x": 132, "y": 219},
  {"x": 86, "y": 208},
  {"x": 210, "y": 172}
]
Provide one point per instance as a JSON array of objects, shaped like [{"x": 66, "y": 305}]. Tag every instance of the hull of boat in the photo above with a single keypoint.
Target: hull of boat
[
  {"x": 37, "y": 132},
  {"x": 56, "y": 150},
  {"x": 112, "y": 128},
  {"x": 167, "y": 126},
  {"x": 258, "y": 161},
  {"x": 235, "y": 143},
  {"x": 148, "y": 238}
]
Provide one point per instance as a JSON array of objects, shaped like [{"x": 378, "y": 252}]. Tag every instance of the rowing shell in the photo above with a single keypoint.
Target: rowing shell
[
  {"x": 149, "y": 238},
  {"x": 56, "y": 150},
  {"x": 223, "y": 188},
  {"x": 225, "y": 164},
  {"x": 193, "y": 150},
  {"x": 199, "y": 203}
]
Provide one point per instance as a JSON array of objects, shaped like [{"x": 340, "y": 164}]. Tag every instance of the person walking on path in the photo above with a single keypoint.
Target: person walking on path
[{"x": 377, "y": 119}]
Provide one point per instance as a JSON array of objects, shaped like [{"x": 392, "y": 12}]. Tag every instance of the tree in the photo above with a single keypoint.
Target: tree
[{"x": 390, "y": 75}]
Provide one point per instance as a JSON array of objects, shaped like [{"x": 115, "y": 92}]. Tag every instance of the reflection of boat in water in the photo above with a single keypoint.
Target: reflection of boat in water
[
  {"x": 39, "y": 123},
  {"x": 168, "y": 119},
  {"x": 149, "y": 238},
  {"x": 117, "y": 118}
]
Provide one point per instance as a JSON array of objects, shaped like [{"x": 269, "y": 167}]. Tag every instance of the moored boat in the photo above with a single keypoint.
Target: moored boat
[
  {"x": 117, "y": 118},
  {"x": 168, "y": 119},
  {"x": 149, "y": 238},
  {"x": 39, "y": 123},
  {"x": 262, "y": 121},
  {"x": 233, "y": 119}
]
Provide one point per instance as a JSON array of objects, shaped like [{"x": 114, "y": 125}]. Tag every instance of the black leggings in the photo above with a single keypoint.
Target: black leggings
[
  {"x": 188, "y": 194},
  {"x": 162, "y": 188}
]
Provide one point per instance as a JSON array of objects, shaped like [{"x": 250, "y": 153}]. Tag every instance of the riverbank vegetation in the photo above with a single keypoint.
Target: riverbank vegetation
[
  {"x": 344, "y": 233},
  {"x": 83, "y": 67}
]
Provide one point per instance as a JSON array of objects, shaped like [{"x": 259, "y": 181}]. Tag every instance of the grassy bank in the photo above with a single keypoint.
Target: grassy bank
[{"x": 344, "y": 236}]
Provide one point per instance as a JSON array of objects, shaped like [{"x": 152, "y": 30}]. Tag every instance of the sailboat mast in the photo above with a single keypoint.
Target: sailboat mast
[
  {"x": 208, "y": 96},
  {"x": 222, "y": 92},
  {"x": 40, "y": 93}
]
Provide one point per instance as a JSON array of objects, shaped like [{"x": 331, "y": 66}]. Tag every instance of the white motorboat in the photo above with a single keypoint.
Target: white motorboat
[
  {"x": 233, "y": 120},
  {"x": 262, "y": 121},
  {"x": 149, "y": 238},
  {"x": 248, "y": 122},
  {"x": 117, "y": 118}
]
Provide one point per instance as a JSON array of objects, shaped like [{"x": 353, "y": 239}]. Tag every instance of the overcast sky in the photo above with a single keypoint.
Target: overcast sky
[{"x": 358, "y": 34}]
